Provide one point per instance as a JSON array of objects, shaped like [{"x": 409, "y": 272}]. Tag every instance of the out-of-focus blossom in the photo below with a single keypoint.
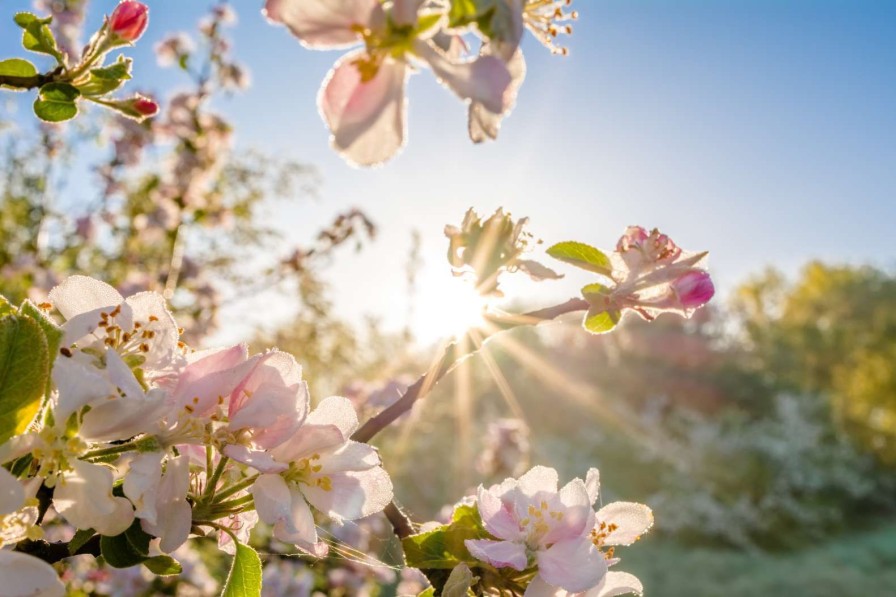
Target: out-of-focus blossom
[
  {"x": 362, "y": 99},
  {"x": 506, "y": 450},
  {"x": 174, "y": 48},
  {"x": 26, "y": 576}
]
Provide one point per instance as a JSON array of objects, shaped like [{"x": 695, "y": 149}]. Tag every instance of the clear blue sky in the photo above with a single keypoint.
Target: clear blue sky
[{"x": 763, "y": 131}]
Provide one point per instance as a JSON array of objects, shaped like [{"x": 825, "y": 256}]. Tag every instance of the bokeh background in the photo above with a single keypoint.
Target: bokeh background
[{"x": 762, "y": 431}]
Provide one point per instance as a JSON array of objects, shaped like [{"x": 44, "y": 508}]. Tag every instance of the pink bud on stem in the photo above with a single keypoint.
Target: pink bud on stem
[
  {"x": 129, "y": 20},
  {"x": 694, "y": 289}
]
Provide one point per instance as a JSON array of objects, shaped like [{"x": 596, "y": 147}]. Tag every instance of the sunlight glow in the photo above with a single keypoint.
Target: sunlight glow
[{"x": 448, "y": 309}]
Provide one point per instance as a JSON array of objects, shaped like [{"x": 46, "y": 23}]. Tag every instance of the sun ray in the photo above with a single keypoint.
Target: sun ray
[
  {"x": 463, "y": 400},
  {"x": 500, "y": 381}
]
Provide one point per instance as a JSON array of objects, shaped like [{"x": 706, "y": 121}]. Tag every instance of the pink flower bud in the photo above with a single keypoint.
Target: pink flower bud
[
  {"x": 694, "y": 289},
  {"x": 129, "y": 20},
  {"x": 146, "y": 106}
]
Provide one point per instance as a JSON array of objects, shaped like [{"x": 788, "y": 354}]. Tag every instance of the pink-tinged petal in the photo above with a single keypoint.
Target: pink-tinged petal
[
  {"x": 12, "y": 493},
  {"x": 326, "y": 24},
  {"x": 80, "y": 294},
  {"x": 241, "y": 524},
  {"x": 366, "y": 118},
  {"x": 351, "y": 495},
  {"x": 617, "y": 583},
  {"x": 257, "y": 459},
  {"x": 483, "y": 124},
  {"x": 23, "y": 575},
  {"x": 83, "y": 496},
  {"x": 78, "y": 385},
  {"x": 205, "y": 384},
  {"x": 353, "y": 456},
  {"x": 272, "y": 415},
  {"x": 284, "y": 507},
  {"x": 308, "y": 440},
  {"x": 498, "y": 520},
  {"x": 539, "y": 588},
  {"x": 632, "y": 520},
  {"x": 271, "y": 495},
  {"x": 404, "y": 12},
  {"x": 336, "y": 411},
  {"x": 123, "y": 418},
  {"x": 484, "y": 80},
  {"x": 575, "y": 565},
  {"x": 141, "y": 484},
  {"x": 273, "y": 368},
  {"x": 577, "y": 516},
  {"x": 592, "y": 484},
  {"x": 500, "y": 554}
]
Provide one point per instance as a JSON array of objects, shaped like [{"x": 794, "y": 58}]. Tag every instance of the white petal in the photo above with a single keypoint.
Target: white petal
[
  {"x": 337, "y": 411},
  {"x": 501, "y": 554},
  {"x": 259, "y": 460},
  {"x": 366, "y": 118},
  {"x": 174, "y": 512},
  {"x": 352, "y": 495},
  {"x": 353, "y": 456},
  {"x": 151, "y": 311},
  {"x": 80, "y": 294},
  {"x": 22, "y": 575},
  {"x": 84, "y": 497},
  {"x": 323, "y": 24},
  {"x": 632, "y": 521},
  {"x": 616, "y": 583},
  {"x": 12, "y": 494},
  {"x": 484, "y": 80},
  {"x": 498, "y": 520},
  {"x": 78, "y": 386},
  {"x": 141, "y": 484},
  {"x": 574, "y": 504},
  {"x": 592, "y": 484},
  {"x": 539, "y": 479}
]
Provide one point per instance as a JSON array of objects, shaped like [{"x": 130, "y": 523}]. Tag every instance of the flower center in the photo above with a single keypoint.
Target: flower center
[
  {"x": 547, "y": 19},
  {"x": 537, "y": 524},
  {"x": 305, "y": 471}
]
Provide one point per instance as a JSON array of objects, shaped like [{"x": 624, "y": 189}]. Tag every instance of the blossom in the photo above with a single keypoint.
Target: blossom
[
  {"x": 83, "y": 496},
  {"x": 534, "y": 523},
  {"x": 26, "y": 576},
  {"x": 129, "y": 20},
  {"x": 362, "y": 98},
  {"x": 319, "y": 465}
]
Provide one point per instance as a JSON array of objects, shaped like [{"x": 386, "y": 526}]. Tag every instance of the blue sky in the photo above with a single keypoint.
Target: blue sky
[{"x": 763, "y": 131}]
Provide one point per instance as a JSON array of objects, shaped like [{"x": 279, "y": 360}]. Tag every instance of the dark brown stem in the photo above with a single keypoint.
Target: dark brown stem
[
  {"x": 453, "y": 355},
  {"x": 401, "y": 523},
  {"x": 54, "y": 552}
]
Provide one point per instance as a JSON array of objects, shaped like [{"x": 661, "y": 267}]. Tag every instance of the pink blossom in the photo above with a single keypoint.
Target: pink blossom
[{"x": 694, "y": 289}]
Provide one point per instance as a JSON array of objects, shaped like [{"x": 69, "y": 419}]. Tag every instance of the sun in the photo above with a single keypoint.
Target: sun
[{"x": 446, "y": 308}]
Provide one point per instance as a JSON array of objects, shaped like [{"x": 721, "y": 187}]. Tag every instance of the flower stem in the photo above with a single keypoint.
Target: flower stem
[
  {"x": 212, "y": 482},
  {"x": 236, "y": 488}
]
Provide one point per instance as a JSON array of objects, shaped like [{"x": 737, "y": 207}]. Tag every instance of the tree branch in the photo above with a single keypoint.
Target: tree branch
[
  {"x": 453, "y": 355},
  {"x": 54, "y": 552}
]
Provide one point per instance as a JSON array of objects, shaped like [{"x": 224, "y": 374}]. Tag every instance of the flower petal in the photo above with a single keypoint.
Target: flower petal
[
  {"x": 284, "y": 507},
  {"x": 574, "y": 504},
  {"x": 26, "y": 576},
  {"x": 484, "y": 80},
  {"x": 80, "y": 294},
  {"x": 366, "y": 118},
  {"x": 592, "y": 484},
  {"x": 12, "y": 493},
  {"x": 84, "y": 497},
  {"x": 352, "y": 495},
  {"x": 632, "y": 520},
  {"x": 616, "y": 583},
  {"x": 575, "y": 565},
  {"x": 326, "y": 24},
  {"x": 501, "y": 554},
  {"x": 141, "y": 484},
  {"x": 482, "y": 123},
  {"x": 498, "y": 520}
]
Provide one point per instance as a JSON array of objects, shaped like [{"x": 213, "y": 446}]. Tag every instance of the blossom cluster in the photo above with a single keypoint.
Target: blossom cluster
[
  {"x": 556, "y": 534},
  {"x": 139, "y": 429},
  {"x": 472, "y": 47}
]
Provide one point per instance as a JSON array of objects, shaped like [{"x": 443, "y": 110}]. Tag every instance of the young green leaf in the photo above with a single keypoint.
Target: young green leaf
[
  {"x": 443, "y": 547},
  {"x": 244, "y": 579},
  {"x": 81, "y": 537},
  {"x": 16, "y": 67},
  {"x": 583, "y": 256},
  {"x": 163, "y": 566},
  {"x": 119, "y": 552},
  {"x": 459, "y": 582},
  {"x": 37, "y": 36},
  {"x": 107, "y": 79},
  {"x": 24, "y": 373},
  {"x": 52, "y": 332},
  {"x": 56, "y": 102},
  {"x": 600, "y": 321}
]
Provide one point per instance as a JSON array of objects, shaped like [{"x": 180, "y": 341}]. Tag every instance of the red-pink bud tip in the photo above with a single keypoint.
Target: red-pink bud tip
[
  {"x": 129, "y": 20},
  {"x": 146, "y": 106},
  {"x": 694, "y": 289}
]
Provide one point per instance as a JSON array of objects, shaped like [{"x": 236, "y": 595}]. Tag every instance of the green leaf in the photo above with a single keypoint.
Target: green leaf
[
  {"x": 107, "y": 79},
  {"x": 163, "y": 565},
  {"x": 459, "y": 583},
  {"x": 81, "y": 537},
  {"x": 24, "y": 373},
  {"x": 600, "y": 321},
  {"x": 52, "y": 332},
  {"x": 583, "y": 256},
  {"x": 430, "y": 592},
  {"x": 56, "y": 102},
  {"x": 138, "y": 538},
  {"x": 37, "y": 36},
  {"x": 119, "y": 552},
  {"x": 443, "y": 547},
  {"x": 464, "y": 12},
  {"x": 6, "y": 307},
  {"x": 244, "y": 579},
  {"x": 16, "y": 67}
]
